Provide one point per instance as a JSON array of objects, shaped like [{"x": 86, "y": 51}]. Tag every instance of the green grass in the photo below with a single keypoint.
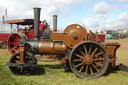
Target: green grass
[{"x": 51, "y": 73}]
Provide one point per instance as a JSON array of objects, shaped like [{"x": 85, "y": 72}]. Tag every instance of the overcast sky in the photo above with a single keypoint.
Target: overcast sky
[{"x": 94, "y": 14}]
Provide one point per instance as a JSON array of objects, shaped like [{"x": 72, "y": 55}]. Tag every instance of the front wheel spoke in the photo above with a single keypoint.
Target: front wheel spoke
[
  {"x": 78, "y": 65},
  {"x": 18, "y": 68},
  {"x": 98, "y": 59},
  {"x": 91, "y": 70},
  {"x": 99, "y": 64},
  {"x": 94, "y": 52},
  {"x": 77, "y": 60},
  {"x": 86, "y": 70},
  {"x": 79, "y": 56},
  {"x": 18, "y": 57},
  {"x": 95, "y": 67},
  {"x": 21, "y": 69},
  {"x": 17, "y": 61},
  {"x": 29, "y": 61},
  {"x": 81, "y": 69}
]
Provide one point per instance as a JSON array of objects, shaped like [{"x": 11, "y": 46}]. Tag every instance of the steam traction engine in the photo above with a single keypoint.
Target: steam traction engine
[{"x": 77, "y": 50}]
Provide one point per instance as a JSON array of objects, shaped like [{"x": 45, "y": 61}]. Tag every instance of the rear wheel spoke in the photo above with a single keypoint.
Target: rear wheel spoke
[
  {"x": 82, "y": 53},
  {"x": 77, "y": 60},
  {"x": 96, "y": 55},
  {"x": 78, "y": 65},
  {"x": 79, "y": 56},
  {"x": 95, "y": 67},
  {"x": 91, "y": 70},
  {"x": 99, "y": 64},
  {"x": 86, "y": 70},
  {"x": 85, "y": 50},
  {"x": 98, "y": 59},
  {"x": 81, "y": 69},
  {"x": 94, "y": 52},
  {"x": 89, "y": 50}
]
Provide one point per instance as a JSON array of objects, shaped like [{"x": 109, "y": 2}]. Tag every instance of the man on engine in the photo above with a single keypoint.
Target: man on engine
[{"x": 42, "y": 27}]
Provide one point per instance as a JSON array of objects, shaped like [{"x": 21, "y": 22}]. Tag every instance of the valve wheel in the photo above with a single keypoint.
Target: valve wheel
[
  {"x": 20, "y": 70},
  {"x": 89, "y": 60}
]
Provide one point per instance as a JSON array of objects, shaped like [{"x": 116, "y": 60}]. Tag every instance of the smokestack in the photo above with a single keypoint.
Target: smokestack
[
  {"x": 36, "y": 23},
  {"x": 54, "y": 23}
]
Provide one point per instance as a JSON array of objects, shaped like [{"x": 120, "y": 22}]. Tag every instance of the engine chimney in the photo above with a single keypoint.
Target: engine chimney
[
  {"x": 36, "y": 23},
  {"x": 54, "y": 23}
]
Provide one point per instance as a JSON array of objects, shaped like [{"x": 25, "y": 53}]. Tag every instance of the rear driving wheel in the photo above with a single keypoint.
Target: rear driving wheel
[{"x": 89, "y": 60}]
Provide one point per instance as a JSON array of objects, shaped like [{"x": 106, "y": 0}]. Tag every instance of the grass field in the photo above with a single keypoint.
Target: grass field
[{"x": 51, "y": 73}]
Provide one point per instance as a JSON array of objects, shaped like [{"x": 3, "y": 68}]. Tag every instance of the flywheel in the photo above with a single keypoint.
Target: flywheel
[{"x": 74, "y": 34}]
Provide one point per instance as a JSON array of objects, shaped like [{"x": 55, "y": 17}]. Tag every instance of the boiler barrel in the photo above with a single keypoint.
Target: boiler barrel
[{"x": 52, "y": 48}]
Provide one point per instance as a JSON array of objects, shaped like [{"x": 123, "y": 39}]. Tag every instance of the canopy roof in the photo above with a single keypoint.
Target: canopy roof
[{"x": 20, "y": 22}]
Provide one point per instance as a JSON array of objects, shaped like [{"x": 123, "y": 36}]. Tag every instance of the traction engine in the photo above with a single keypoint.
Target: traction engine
[{"x": 77, "y": 50}]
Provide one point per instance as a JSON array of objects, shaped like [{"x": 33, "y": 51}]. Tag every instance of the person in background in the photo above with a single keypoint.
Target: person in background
[
  {"x": 45, "y": 24},
  {"x": 41, "y": 26}
]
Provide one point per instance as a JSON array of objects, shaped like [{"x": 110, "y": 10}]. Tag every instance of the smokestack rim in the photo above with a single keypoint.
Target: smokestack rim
[
  {"x": 37, "y": 8},
  {"x": 54, "y": 15}
]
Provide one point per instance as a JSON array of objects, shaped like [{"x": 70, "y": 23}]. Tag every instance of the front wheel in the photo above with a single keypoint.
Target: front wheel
[
  {"x": 20, "y": 70},
  {"x": 89, "y": 60}
]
